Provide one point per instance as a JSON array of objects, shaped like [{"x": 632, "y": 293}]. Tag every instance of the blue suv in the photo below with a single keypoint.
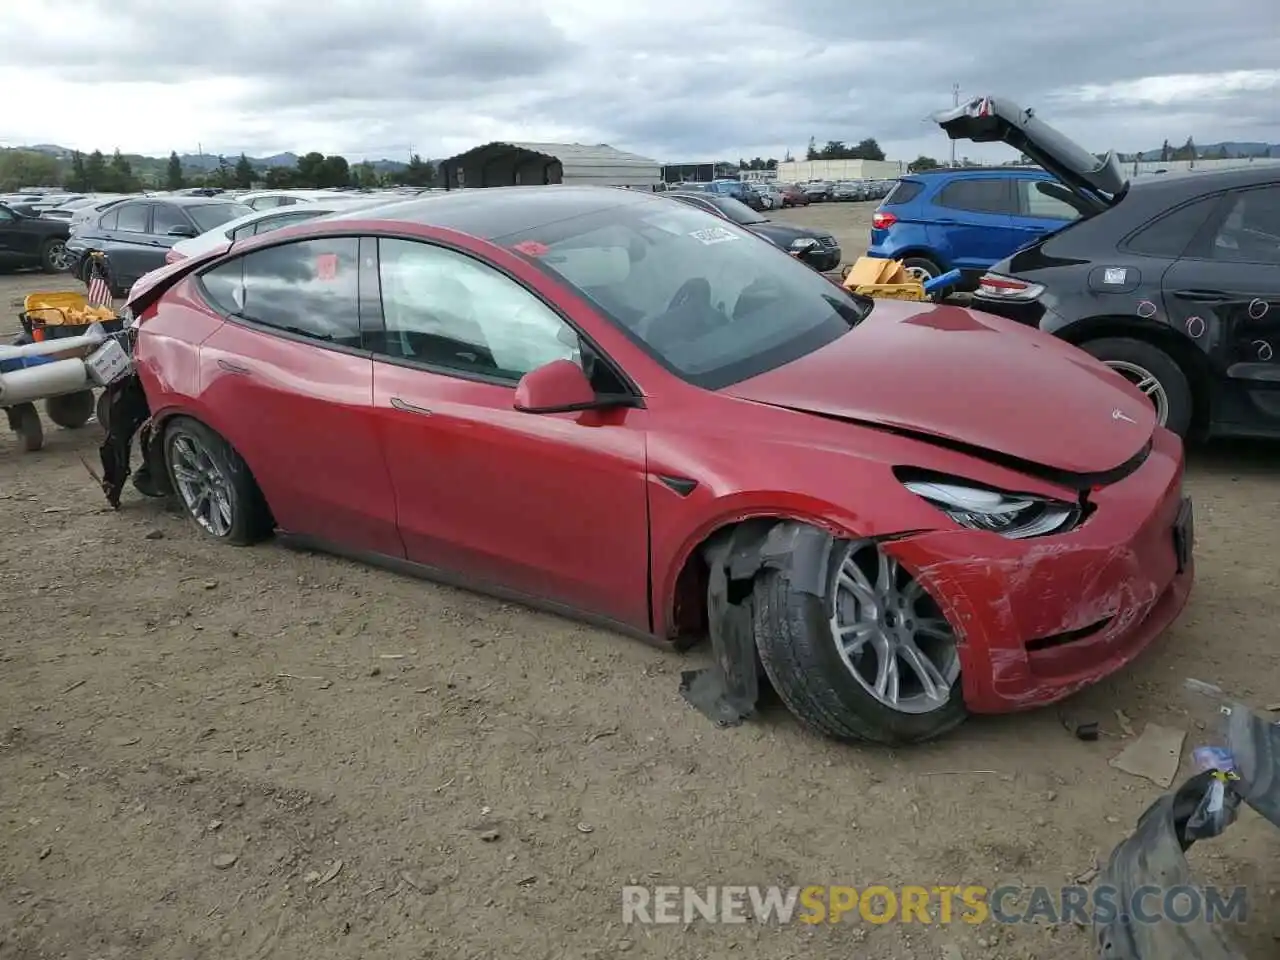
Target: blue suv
[{"x": 967, "y": 219}]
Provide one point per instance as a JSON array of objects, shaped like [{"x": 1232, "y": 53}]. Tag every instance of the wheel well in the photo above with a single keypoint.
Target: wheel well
[
  {"x": 1190, "y": 360},
  {"x": 918, "y": 254},
  {"x": 161, "y": 469},
  {"x": 687, "y": 621}
]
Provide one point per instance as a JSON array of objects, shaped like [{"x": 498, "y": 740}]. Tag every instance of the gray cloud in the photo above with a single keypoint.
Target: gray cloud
[{"x": 674, "y": 80}]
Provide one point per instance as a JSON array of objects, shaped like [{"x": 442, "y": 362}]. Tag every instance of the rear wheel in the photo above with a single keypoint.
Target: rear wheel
[
  {"x": 921, "y": 269},
  {"x": 1153, "y": 372},
  {"x": 71, "y": 410},
  {"x": 54, "y": 257},
  {"x": 214, "y": 484},
  {"x": 875, "y": 660}
]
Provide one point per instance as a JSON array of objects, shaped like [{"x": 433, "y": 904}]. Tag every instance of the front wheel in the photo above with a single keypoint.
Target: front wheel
[
  {"x": 1153, "y": 372},
  {"x": 214, "y": 484},
  {"x": 875, "y": 660}
]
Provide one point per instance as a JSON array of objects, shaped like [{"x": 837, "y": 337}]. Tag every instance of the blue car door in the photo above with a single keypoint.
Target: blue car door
[
  {"x": 973, "y": 221},
  {"x": 1041, "y": 209}
]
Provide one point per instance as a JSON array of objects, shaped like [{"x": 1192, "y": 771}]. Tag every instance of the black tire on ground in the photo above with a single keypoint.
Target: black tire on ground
[
  {"x": 250, "y": 518},
  {"x": 799, "y": 655},
  {"x": 1165, "y": 369},
  {"x": 923, "y": 264},
  {"x": 53, "y": 256},
  {"x": 71, "y": 410},
  {"x": 25, "y": 420}
]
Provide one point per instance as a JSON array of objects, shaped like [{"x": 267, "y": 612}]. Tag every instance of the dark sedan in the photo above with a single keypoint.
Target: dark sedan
[
  {"x": 819, "y": 250},
  {"x": 27, "y": 241},
  {"x": 136, "y": 234}
]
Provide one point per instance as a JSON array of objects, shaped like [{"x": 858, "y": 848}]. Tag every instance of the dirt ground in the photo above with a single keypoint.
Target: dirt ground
[{"x": 210, "y": 752}]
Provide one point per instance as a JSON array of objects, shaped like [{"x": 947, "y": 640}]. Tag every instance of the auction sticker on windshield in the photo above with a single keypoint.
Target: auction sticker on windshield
[{"x": 709, "y": 235}]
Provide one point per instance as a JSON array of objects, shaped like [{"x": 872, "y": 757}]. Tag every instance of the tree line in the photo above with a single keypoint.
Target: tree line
[{"x": 94, "y": 172}]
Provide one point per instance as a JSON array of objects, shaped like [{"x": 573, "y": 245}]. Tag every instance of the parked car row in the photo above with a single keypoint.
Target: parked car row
[
  {"x": 142, "y": 233},
  {"x": 827, "y": 191}
]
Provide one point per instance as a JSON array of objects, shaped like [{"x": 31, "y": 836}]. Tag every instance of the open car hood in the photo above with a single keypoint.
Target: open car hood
[
  {"x": 994, "y": 120},
  {"x": 1155, "y": 854}
]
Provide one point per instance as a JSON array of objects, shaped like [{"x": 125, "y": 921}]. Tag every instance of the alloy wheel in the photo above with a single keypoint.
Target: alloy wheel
[
  {"x": 1147, "y": 382},
  {"x": 204, "y": 489},
  {"x": 891, "y": 634},
  {"x": 919, "y": 274},
  {"x": 59, "y": 259}
]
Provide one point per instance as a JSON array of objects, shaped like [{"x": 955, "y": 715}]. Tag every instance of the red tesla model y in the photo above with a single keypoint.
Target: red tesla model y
[{"x": 618, "y": 406}]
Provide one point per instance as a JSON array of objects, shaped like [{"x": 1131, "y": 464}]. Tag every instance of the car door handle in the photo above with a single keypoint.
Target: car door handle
[
  {"x": 408, "y": 407},
  {"x": 1202, "y": 296},
  {"x": 232, "y": 367}
]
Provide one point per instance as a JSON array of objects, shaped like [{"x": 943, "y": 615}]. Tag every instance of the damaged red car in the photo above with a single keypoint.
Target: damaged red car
[{"x": 613, "y": 405}]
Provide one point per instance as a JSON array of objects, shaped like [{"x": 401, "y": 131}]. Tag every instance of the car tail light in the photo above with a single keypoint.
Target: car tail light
[
  {"x": 996, "y": 286},
  {"x": 882, "y": 220},
  {"x": 173, "y": 256}
]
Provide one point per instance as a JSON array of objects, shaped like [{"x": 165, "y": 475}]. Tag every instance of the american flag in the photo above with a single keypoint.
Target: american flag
[{"x": 99, "y": 288}]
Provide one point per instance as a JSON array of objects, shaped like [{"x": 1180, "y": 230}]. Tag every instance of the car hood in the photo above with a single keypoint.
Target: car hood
[
  {"x": 784, "y": 234},
  {"x": 974, "y": 382},
  {"x": 1098, "y": 182}
]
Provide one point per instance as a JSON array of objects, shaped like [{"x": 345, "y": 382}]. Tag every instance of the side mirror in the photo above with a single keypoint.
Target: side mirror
[
  {"x": 181, "y": 231},
  {"x": 561, "y": 386}
]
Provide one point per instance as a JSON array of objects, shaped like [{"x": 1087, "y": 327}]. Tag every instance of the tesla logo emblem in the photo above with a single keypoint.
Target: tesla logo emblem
[{"x": 1121, "y": 415}]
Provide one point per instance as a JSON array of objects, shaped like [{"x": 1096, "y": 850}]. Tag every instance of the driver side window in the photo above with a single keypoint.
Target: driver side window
[{"x": 448, "y": 310}]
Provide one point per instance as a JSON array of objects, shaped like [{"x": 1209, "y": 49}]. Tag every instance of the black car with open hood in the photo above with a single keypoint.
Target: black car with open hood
[{"x": 1172, "y": 280}]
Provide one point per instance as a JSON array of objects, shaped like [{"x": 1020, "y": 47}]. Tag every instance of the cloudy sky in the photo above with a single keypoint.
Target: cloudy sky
[{"x": 669, "y": 79}]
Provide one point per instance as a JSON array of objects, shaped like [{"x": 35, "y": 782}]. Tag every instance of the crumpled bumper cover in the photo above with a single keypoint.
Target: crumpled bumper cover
[{"x": 1039, "y": 620}]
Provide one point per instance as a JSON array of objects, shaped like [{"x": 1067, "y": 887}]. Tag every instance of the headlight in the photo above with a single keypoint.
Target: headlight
[
  {"x": 803, "y": 243},
  {"x": 1016, "y": 516}
]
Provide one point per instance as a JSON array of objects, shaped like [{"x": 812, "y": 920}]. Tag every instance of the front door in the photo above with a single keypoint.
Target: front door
[
  {"x": 550, "y": 505},
  {"x": 1224, "y": 294},
  {"x": 293, "y": 388}
]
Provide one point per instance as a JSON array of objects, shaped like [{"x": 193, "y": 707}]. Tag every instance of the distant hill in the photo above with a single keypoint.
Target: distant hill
[
  {"x": 205, "y": 162},
  {"x": 1231, "y": 149}
]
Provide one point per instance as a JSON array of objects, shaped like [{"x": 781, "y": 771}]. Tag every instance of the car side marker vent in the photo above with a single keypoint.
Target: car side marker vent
[{"x": 681, "y": 485}]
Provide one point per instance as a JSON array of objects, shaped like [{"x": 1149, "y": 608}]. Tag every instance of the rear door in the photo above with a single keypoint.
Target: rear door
[
  {"x": 1224, "y": 293},
  {"x": 291, "y": 384},
  {"x": 972, "y": 221}
]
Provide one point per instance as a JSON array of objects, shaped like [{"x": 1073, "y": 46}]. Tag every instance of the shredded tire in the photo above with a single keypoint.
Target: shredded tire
[{"x": 799, "y": 655}]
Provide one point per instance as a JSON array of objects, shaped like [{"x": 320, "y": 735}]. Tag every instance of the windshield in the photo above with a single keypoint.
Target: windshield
[
  {"x": 208, "y": 216},
  {"x": 737, "y": 211},
  {"x": 712, "y": 302}
]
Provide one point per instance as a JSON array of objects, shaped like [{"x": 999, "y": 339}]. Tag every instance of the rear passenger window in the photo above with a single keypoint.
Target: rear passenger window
[
  {"x": 1170, "y": 234},
  {"x": 109, "y": 221},
  {"x": 979, "y": 196},
  {"x": 309, "y": 288},
  {"x": 904, "y": 191}
]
